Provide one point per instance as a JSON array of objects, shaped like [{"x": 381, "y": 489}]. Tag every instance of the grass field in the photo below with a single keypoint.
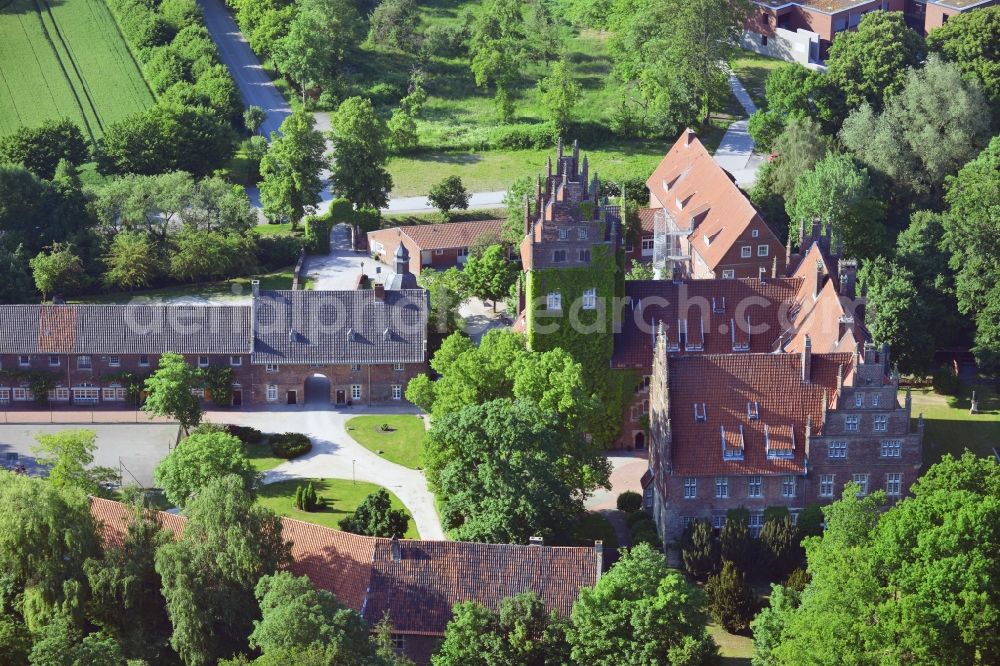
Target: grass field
[
  {"x": 341, "y": 497},
  {"x": 65, "y": 58},
  {"x": 752, "y": 70},
  {"x": 403, "y": 445},
  {"x": 261, "y": 456},
  {"x": 950, "y": 428}
]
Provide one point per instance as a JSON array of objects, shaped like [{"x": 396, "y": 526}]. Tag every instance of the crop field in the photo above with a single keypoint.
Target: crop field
[{"x": 65, "y": 58}]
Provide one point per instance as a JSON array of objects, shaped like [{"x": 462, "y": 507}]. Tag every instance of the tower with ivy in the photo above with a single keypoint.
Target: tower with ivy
[{"x": 572, "y": 260}]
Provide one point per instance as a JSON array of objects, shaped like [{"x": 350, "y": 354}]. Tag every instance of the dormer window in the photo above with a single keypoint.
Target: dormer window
[
  {"x": 700, "y": 415},
  {"x": 731, "y": 453},
  {"x": 777, "y": 452},
  {"x": 666, "y": 186},
  {"x": 680, "y": 204},
  {"x": 753, "y": 410}
]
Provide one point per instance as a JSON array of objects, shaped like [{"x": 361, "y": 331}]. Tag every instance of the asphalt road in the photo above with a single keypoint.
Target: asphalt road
[{"x": 253, "y": 82}]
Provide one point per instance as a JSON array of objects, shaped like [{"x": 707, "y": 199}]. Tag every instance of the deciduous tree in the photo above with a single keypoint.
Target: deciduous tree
[
  {"x": 359, "y": 142},
  {"x": 170, "y": 391},
  {"x": 133, "y": 261},
  {"x": 491, "y": 274},
  {"x": 896, "y": 313},
  {"x": 40, "y": 148},
  {"x": 449, "y": 194},
  {"x": 69, "y": 455},
  {"x": 640, "y": 612},
  {"x": 58, "y": 271},
  {"x": 376, "y": 517},
  {"x": 318, "y": 38},
  {"x": 971, "y": 40},
  {"x": 497, "y": 46},
  {"x": 199, "y": 459},
  {"x": 290, "y": 171},
  {"x": 560, "y": 93}
]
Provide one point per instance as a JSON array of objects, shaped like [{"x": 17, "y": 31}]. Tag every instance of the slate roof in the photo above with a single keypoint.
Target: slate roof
[
  {"x": 710, "y": 305},
  {"x": 124, "y": 329},
  {"x": 725, "y": 384},
  {"x": 419, "y": 588},
  {"x": 336, "y": 327}
]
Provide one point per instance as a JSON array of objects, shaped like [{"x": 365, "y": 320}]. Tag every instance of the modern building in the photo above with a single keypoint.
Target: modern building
[
  {"x": 435, "y": 246},
  {"x": 342, "y": 347},
  {"x": 415, "y": 583}
]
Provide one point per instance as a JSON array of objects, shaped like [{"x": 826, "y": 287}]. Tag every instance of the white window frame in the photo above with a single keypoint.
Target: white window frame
[
  {"x": 398, "y": 367},
  {"x": 553, "y": 301},
  {"x": 22, "y": 394},
  {"x": 837, "y": 449},
  {"x": 891, "y": 448},
  {"x": 581, "y": 234},
  {"x": 355, "y": 367},
  {"x": 755, "y": 486},
  {"x": 556, "y": 254},
  {"x": 397, "y": 391},
  {"x": 862, "y": 481},
  {"x": 54, "y": 361},
  {"x": 894, "y": 484},
  {"x": 271, "y": 367},
  {"x": 86, "y": 395},
  {"x": 59, "y": 393},
  {"x": 198, "y": 393},
  {"x": 84, "y": 362},
  {"x": 202, "y": 361},
  {"x": 722, "y": 487},
  {"x": 236, "y": 361},
  {"x": 728, "y": 274},
  {"x": 113, "y": 394},
  {"x": 272, "y": 393},
  {"x": 859, "y": 399},
  {"x": 754, "y": 233},
  {"x": 24, "y": 360},
  {"x": 763, "y": 250},
  {"x": 746, "y": 252},
  {"x": 788, "y": 485},
  {"x": 852, "y": 423},
  {"x": 876, "y": 399},
  {"x": 563, "y": 234},
  {"x": 355, "y": 391},
  {"x": 144, "y": 360},
  {"x": 826, "y": 485},
  {"x": 4, "y": 395},
  {"x": 690, "y": 488},
  {"x": 881, "y": 423},
  {"x": 755, "y": 524},
  {"x": 647, "y": 243},
  {"x": 590, "y": 299},
  {"x": 115, "y": 361},
  {"x": 583, "y": 255}
]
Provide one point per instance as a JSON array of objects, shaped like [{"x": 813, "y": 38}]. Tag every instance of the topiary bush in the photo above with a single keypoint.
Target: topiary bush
[
  {"x": 290, "y": 445},
  {"x": 245, "y": 434},
  {"x": 629, "y": 501}
]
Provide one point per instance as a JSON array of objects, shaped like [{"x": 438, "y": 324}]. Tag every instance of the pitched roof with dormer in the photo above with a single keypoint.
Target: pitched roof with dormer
[{"x": 755, "y": 406}]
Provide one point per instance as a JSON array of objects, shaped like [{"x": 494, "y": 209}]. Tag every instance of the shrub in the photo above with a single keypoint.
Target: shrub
[
  {"x": 730, "y": 599},
  {"x": 245, "y": 434},
  {"x": 764, "y": 127},
  {"x": 797, "y": 580},
  {"x": 516, "y": 137},
  {"x": 376, "y": 517},
  {"x": 274, "y": 252},
  {"x": 699, "y": 550},
  {"x": 290, "y": 445},
  {"x": 645, "y": 532},
  {"x": 629, "y": 501},
  {"x": 444, "y": 41},
  {"x": 318, "y": 233},
  {"x": 946, "y": 382},
  {"x": 305, "y": 497},
  {"x": 637, "y": 517}
]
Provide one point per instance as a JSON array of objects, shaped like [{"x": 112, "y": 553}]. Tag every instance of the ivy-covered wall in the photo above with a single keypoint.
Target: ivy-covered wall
[{"x": 588, "y": 335}]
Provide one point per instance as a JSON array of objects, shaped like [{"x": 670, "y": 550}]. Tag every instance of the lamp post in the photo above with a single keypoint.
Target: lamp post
[{"x": 354, "y": 476}]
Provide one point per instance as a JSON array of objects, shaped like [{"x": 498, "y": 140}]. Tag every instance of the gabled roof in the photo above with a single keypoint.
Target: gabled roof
[
  {"x": 702, "y": 199},
  {"x": 336, "y": 327},
  {"x": 717, "y": 308},
  {"x": 418, "y": 587},
  {"x": 727, "y": 388},
  {"x": 444, "y": 236},
  {"x": 124, "y": 329}
]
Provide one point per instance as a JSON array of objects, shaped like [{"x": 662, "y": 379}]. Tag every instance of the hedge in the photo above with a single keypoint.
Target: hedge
[
  {"x": 290, "y": 445},
  {"x": 638, "y": 517},
  {"x": 629, "y": 501},
  {"x": 245, "y": 434}
]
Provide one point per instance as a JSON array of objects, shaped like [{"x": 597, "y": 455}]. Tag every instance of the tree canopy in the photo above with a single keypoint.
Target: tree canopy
[
  {"x": 39, "y": 149},
  {"x": 971, "y": 40},
  {"x": 199, "y": 459},
  {"x": 359, "y": 141},
  {"x": 170, "y": 391},
  {"x": 290, "y": 170}
]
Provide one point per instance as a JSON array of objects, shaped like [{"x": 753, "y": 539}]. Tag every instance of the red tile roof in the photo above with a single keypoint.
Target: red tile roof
[
  {"x": 419, "y": 589},
  {"x": 444, "y": 236},
  {"x": 701, "y": 197},
  {"x": 725, "y": 384},
  {"x": 663, "y": 301}
]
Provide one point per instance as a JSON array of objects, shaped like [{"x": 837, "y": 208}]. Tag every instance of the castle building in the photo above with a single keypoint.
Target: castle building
[{"x": 341, "y": 347}]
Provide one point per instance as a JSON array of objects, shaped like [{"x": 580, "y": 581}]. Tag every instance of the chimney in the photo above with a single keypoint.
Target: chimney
[
  {"x": 378, "y": 289},
  {"x": 599, "y": 554},
  {"x": 847, "y": 275},
  {"x": 774, "y": 268},
  {"x": 536, "y": 541},
  {"x": 820, "y": 274},
  {"x": 844, "y": 324},
  {"x": 807, "y": 361},
  {"x": 255, "y": 288},
  {"x": 397, "y": 552},
  {"x": 689, "y": 137}
]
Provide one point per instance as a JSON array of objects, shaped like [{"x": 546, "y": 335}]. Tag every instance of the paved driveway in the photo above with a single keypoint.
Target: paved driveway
[
  {"x": 336, "y": 455},
  {"x": 340, "y": 268}
]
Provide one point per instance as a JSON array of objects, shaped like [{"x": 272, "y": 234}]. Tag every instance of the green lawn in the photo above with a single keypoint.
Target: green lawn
[
  {"x": 403, "y": 444},
  {"x": 261, "y": 456},
  {"x": 410, "y": 219},
  {"x": 341, "y": 497},
  {"x": 593, "y": 526},
  {"x": 495, "y": 170},
  {"x": 752, "y": 70},
  {"x": 735, "y": 650},
  {"x": 65, "y": 58},
  {"x": 950, "y": 428},
  {"x": 233, "y": 289}
]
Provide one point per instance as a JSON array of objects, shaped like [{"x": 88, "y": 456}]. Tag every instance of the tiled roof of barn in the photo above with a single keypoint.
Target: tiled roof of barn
[
  {"x": 124, "y": 329},
  {"x": 443, "y": 236},
  {"x": 725, "y": 385},
  {"x": 340, "y": 327},
  {"x": 719, "y": 303},
  {"x": 419, "y": 589}
]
